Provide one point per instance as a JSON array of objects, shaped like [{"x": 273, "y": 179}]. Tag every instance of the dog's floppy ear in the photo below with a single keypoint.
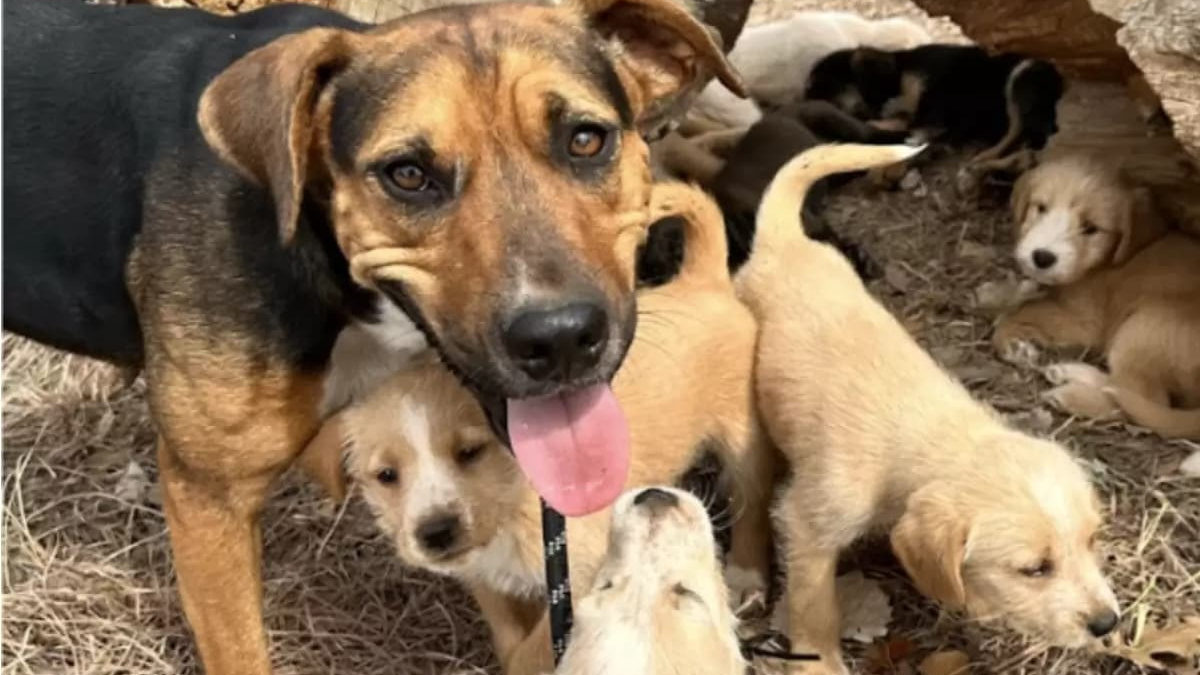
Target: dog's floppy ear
[
  {"x": 931, "y": 540},
  {"x": 1018, "y": 202},
  {"x": 258, "y": 113},
  {"x": 322, "y": 459},
  {"x": 1139, "y": 223},
  {"x": 872, "y": 63},
  {"x": 663, "y": 51}
]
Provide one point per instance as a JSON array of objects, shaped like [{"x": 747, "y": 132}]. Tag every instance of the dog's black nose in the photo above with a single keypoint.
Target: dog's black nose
[
  {"x": 560, "y": 343},
  {"x": 1043, "y": 258},
  {"x": 1103, "y": 623},
  {"x": 656, "y": 500},
  {"x": 439, "y": 533}
]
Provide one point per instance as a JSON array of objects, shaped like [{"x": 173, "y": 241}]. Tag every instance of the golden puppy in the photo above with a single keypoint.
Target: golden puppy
[
  {"x": 658, "y": 605},
  {"x": 983, "y": 518},
  {"x": 454, "y": 501},
  {"x": 1121, "y": 284}
]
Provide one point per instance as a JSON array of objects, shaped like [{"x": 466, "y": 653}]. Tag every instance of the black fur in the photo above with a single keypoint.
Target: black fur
[{"x": 964, "y": 96}]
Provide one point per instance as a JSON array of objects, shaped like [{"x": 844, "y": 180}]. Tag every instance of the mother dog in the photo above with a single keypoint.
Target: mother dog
[{"x": 213, "y": 200}]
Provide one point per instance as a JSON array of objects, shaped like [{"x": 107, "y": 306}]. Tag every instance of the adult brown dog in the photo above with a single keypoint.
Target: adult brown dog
[{"x": 213, "y": 200}]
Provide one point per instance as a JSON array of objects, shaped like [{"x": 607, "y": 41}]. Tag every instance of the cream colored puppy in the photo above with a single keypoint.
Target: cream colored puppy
[
  {"x": 1120, "y": 283},
  {"x": 775, "y": 59},
  {"x": 658, "y": 605},
  {"x": 983, "y": 518}
]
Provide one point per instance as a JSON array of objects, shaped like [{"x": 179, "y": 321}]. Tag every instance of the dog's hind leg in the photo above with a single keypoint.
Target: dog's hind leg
[
  {"x": 228, "y": 427},
  {"x": 749, "y": 567}
]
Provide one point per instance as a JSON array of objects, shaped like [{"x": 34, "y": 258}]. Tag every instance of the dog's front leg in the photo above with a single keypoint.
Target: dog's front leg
[
  {"x": 512, "y": 621},
  {"x": 812, "y": 616},
  {"x": 533, "y": 655},
  {"x": 225, "y": 435},
  {"x": 1047, "y": 322},
  {"x": 749, "y": 565}
]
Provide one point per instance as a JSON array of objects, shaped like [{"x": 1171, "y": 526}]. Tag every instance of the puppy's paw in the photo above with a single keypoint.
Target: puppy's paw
[
  {"x": 1075, "y": 373},
  {"x": 1020, "y": 353},
  {"x": 1083, "y": 400},
  {"x": 747, "y": 589}
]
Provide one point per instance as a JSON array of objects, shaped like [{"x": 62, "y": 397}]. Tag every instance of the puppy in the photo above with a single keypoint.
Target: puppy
[
  {"x": 983, "y": 518},
  {"x": 658, "y": 605},
  {"x": 1119, "y": 283},
  {"x": 960, "y": 94},
  {"x": 454, "y": 502},
  {"x": 775, "y": 59}
]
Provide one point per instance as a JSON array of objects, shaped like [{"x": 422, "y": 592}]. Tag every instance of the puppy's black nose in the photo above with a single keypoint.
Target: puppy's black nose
[
  {"x": 1103, "y": 623},
  {"x": 557, "y": 344},
  {"x": 439, "y": 533},
  {"x": 1043, "y": 258},
  {"x": 656, "y": 500}
]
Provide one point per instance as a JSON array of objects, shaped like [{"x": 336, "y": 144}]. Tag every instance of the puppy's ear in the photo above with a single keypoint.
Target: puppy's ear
[
  {"x": 876, "y": 64},
  {"x": 931, "y": 540},
  {"x": 664, "y": 53},
  {"x": 322, "y": 458},
  {"x": 258, "y": 113},
  {"x": 1018, "y": 202},
  {"x": 1139, "y": 223}
]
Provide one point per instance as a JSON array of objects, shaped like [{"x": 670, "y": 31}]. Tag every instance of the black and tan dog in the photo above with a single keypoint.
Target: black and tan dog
[{"x": 213, "y": 200}]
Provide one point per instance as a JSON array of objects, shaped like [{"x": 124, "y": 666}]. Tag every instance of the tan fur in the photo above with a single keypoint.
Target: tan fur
[
  {"x": 231, "y": 419},
  {"x": 1130, "y": 290},
  {"x": 658, "y": 605},
  {"x": 686, "y": 380},
  {"x": 880, "y": 438}
]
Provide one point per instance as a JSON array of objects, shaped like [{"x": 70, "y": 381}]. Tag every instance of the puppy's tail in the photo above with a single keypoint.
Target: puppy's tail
[
  {"x": 779, "y": 212},
  {"x": 1168, "y": 422},
  {"x": 705, "y": 249}
]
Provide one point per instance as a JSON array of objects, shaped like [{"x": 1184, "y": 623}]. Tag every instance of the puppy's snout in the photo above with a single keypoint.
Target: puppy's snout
[
  {"x": 655, "y": 500},
  {"x": 1043, "y": 259},
  {"x": 1103, "y": 623},
  {"x": 440, "y": 532},
  {"x": 557, "y": 344}
]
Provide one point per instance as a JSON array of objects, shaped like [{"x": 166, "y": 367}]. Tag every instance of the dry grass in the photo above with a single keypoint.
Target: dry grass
[{"x": 87, "y": 579}]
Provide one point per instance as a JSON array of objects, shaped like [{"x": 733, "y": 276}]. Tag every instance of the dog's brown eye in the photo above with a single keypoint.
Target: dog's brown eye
[
  {"x": 387, "y": 476},
  {"x": 470, "y": 453},
  {"x": 587, "y": 141},
  {"x": 1043, "y": 569},
  {"x": 408, "y": 177},
  {"x": 1039, "y": 208},
  {"x": 1089, "y": 229}
]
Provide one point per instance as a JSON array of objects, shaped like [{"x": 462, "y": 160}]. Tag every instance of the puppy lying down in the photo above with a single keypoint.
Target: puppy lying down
[
  {"x": 984, "y": 518},
  {"x": 455, "y": 502},
  {"x": 658, "y": 605}
]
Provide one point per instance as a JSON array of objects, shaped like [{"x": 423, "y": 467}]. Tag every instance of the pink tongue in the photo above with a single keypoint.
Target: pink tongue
[{"x": 574, "y": 447}]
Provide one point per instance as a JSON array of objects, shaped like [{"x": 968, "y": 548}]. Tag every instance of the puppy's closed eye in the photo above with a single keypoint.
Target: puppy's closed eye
[
  {"x": 1089, "y": 228},
  {"x": 1043, "y": 568},
  {"x": 469, "y": 454}
]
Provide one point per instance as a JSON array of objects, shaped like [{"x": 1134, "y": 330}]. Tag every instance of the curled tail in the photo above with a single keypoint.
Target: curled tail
[
  {"x": 705, "y": 250},
  {"x": 1166, "y": 421},
  {"x": 779, "y": 212}
]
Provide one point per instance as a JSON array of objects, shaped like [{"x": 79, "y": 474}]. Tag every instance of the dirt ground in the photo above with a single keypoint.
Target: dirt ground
[{"x": 87, "y": 579}]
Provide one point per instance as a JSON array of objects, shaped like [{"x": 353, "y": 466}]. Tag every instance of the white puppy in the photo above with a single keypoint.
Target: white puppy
[
  {"x": 659, "y": 605},
  {"x": 774, "y": 59}
]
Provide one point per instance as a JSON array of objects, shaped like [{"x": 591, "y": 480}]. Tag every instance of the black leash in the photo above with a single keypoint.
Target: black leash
[
  {"x": 756, "y": 647},
  {"x": 558, "y": 578}
]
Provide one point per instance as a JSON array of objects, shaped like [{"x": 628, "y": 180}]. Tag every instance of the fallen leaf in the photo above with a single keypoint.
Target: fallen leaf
[
  {"x": 911, "y": 180},
  {"x": 866, "y": 609},
  {"x": 885, "y": 657},
  {"x": 895, "y": 275},
  {"x": 1191, "y": 465},
  {"x": 947, "y": 356},
  {"x": 1174, "y": 649},
  {"x": 975, "y": 250},
  {"x": 132, "y": 484},
  {"x": 997, "y": 296},
  {"x": 951, "y": 662}
]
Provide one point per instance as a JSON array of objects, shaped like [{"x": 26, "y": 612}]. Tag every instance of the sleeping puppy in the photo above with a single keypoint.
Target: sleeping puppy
[
  {"x": 984, "y": 518},
  {"x": 960, "y": 94},
  {"x": 658, "y": 605},
  {"x": 1119, "y": 283},
  {"x": 775, "y": 59},
  {"x": 454, "y": 501}
]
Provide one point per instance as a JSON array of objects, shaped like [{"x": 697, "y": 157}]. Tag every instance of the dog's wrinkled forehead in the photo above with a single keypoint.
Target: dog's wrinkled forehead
[{"x": 463, "y": 66}]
